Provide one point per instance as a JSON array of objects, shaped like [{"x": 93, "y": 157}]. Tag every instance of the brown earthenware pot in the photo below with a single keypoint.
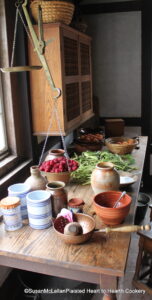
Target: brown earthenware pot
[
  {"x": 58, "y": 196},
  {"x": 104, "y": 178}
]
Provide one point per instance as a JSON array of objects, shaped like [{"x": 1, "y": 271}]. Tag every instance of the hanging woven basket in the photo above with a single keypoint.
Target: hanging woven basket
[{"x": 53, "y": 11}]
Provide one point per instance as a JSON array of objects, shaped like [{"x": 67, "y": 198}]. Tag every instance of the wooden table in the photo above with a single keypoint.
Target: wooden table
[
  {"x": 144, "y": 263},
  {"x": 101, "y": 260}
]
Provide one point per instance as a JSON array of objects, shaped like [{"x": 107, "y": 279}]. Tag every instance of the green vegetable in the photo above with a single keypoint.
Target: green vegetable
[{"x": 88, "y": 160}]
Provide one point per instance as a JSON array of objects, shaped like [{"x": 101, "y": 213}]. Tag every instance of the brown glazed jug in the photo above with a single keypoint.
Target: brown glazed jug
[
  {"x": 104, "y": 178},
  {"x": 54, "y": 153},
  {"x": 58, "y": 196},
  {"x": 36, "y": 181}
]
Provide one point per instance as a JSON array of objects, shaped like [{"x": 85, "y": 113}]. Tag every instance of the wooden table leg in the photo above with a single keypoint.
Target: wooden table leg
[
  {"x": 139, "y": 260},
  {"x": 151, "y": 214},
  {"x": 109, "y": 285},
  {"x": 109, "y": 297}
]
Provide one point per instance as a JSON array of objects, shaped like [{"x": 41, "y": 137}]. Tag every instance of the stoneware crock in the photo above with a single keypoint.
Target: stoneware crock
[
  {"x": 58, "y": 196},
  {"x": 10, "y": 207},
  {"x": 104, "y": 178},
  {"x": 20, "y": 190}
]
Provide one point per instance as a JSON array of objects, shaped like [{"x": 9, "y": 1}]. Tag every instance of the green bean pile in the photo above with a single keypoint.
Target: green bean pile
[{"x": 88, "y": 160}]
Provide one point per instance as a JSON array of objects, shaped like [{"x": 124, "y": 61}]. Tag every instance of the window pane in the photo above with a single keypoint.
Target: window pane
[{"x": 3, "y": 140}]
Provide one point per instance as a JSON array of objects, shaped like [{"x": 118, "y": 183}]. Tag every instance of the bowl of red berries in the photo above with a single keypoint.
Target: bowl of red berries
[{"x": 58, "y": 169}]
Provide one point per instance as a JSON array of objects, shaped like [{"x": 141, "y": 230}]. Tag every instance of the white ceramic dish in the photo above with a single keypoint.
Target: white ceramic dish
[{"x": 127, "y": 178}]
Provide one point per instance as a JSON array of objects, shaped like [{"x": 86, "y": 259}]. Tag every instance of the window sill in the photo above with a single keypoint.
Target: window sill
[
  {"x": 18, "y": 174},
  {"x": 7, "y": 164}
]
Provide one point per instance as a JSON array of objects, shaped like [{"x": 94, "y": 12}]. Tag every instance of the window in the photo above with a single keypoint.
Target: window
[
  {"x": 14, "y": 109},
  {"x": 3, "y": 139}
]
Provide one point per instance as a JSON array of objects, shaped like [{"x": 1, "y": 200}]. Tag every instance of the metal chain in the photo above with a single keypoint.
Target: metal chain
[
  {"x": 14, "y": 38},
  {"x": 61, "y": 133},
  {"x": 47, "y": 136},
  {"x": 18, "y": 13},
  {"x": 55, "y": 110},
  {"x": 25, "y": 27}
]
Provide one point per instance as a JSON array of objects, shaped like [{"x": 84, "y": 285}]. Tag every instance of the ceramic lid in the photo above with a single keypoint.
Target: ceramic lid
[
  {"x": 10, "y": 202},
  {"x": 74, "y": 202}
]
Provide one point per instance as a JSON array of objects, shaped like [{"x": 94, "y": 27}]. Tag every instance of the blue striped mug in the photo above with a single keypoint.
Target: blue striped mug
[
  {"x": 39, "y": 209},
  {"x": 20, "y": 190}
]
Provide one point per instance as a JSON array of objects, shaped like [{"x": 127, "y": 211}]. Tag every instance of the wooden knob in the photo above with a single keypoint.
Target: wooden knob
[{"x": 146, "y": 227}]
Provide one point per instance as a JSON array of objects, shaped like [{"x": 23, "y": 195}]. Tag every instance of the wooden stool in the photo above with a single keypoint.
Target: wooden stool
[{"x": 143, "y": 269}]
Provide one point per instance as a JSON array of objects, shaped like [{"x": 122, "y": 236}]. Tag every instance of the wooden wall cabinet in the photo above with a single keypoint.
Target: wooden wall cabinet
[{"x": 68, "y": 55}]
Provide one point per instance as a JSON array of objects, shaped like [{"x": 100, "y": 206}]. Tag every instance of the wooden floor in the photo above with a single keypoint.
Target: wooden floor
[{"x": 15, "y": 286}]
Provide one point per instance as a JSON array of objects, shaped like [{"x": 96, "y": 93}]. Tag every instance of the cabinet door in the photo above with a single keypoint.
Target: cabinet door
[
  {"x": 86, "y": 77},
  {"x": 71, "y": 78},
  {"x": 41, "y": 93}
]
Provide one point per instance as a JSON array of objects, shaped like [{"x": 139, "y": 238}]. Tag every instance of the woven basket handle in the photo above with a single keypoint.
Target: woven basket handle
[{"x": 136, "y": 138}]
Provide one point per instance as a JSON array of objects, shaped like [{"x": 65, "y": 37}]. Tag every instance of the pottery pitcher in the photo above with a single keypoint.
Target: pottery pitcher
[{"x": 36, "y": 181}]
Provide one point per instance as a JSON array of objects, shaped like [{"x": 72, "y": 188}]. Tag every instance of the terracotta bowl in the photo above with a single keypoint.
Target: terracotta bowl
[
  {"x": 63, "y": 176},
  {"x": 88, "y": 225},
  {"x": 103, "y": 205}
]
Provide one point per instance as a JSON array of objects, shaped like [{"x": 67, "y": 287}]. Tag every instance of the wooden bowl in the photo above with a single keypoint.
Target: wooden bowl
[
  {"x": 63, "y": 176},
  {"x": 88, "y": 226},
  {"x": 125, "y": 148},
  {"x": 103, "y": 205},
  {"x": 84, "y": 146}
]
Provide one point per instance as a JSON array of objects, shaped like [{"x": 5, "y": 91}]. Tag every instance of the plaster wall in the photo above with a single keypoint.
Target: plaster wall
[{"x": 116, "y": 53}]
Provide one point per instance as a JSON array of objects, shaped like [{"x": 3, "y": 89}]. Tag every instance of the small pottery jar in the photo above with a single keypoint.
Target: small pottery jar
[
  {"x": 39, "y": 209},
  {"x": 104, "y": 178},
  {"x": 20, "y": 190},
  {"x": 58, "y": 196},
  {"x": 54, "y": 153},
  {"x": 11, "y": 210},
  {"x": 36, "y": 181},
  {"x": 76, "y": 205}
]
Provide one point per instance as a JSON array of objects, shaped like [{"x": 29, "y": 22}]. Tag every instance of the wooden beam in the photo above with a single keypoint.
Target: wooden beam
[{"x": 113, "y": 7}]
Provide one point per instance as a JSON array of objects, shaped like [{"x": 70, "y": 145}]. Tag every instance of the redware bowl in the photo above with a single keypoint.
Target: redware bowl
[{"x": 103, "y": 205}]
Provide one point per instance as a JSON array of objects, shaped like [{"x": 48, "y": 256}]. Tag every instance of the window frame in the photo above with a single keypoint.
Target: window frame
[
  {"x": 5, "y": 149},
  {"x": 18, "y": 153}
]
